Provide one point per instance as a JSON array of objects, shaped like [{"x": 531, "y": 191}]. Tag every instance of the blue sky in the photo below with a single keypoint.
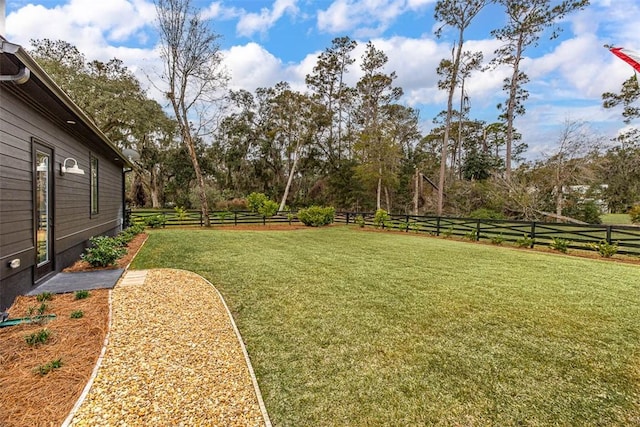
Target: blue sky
[{"x": 267, "y": 41}]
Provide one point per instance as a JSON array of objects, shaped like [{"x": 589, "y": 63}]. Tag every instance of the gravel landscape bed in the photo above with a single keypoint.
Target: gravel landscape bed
[{"x": 173, "y": 358}]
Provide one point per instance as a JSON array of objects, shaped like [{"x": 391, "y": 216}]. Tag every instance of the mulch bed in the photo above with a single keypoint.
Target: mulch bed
[{"x": 30, "y": 399}]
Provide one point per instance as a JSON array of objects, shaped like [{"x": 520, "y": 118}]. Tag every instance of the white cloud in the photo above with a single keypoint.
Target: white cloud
[
  {"x": 251, "y": 67},
  {"x": 251, "y": 23},
  {"x": 367, "y": 18}
]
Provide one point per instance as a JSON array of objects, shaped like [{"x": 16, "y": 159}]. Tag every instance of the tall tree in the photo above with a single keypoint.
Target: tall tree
[
  {"x": 376, "y": 95},
  {"x": 194, "y": 76},
  {"x": 526, "y": 21},
  {"x": 327, "y": 83},
  {"x": 457, "y": 14}
]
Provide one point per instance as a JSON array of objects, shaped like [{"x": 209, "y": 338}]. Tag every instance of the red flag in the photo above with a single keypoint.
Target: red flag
[{"x": 629, "y": 56}]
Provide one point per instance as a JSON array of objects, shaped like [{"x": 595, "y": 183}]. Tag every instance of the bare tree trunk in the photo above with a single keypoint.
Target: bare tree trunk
[
  {"x": 290, "y": 180},
  {"x": 416, "y": 188},
  {"x": 387, "y": 198},
  {"x": 379, "y": 189}
]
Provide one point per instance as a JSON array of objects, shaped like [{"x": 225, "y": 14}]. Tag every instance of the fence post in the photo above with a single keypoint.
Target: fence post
[
  {"x": 478, "y": 230},
  {"x": 407, "y": 221},
  {"x": 608, "y": 234},
  {"x": 235, "y": 218},
  {"x": 533, "y": 234},
  {"x": 437, "y": 226},
  {"x": 347, "y": 218},
  {"x": 201, "y": 222},
  {"x": 264, "y": 220}
]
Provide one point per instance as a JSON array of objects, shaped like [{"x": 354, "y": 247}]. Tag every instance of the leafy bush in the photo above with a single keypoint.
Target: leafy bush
[
  {"x": 587, "y": 211},
  {"x": 255, "y": 201},
  {"x": 606, "y": 250},
  {"x": 77, "y": 314},
  {"x": 46, "y": 368},
  {"x": 525, "y": 242},
  {"x": 44, "y": 296},
  {"x": 497, "y": 240},
  {"x": 559, "y": 244},
  {"x": 269, "y": 208},
  {"x": 484, "y": 213},
  {"x": 359, "y": 220},
  {"x": 316, "y": 216},
  {"x": 181, "y": 213},
  {"x": 155, "y": 221},
  {"x": 82, "y": 294},
  {"x": 634, "y": 214},
  {"x": 104, "y": 251},
  {"x": 381, "y": 218},
  {"x": 40, "y": 337},
  {"x": 471, "y": 235}
]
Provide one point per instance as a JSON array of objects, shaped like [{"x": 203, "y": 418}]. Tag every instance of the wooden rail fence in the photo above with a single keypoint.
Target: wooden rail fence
[{"x": 579, "y": 236}]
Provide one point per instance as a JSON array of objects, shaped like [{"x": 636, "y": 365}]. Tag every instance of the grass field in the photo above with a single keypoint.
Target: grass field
[
  {"x": 616, "y": 219},
  {"x": 355, "y": 328}
]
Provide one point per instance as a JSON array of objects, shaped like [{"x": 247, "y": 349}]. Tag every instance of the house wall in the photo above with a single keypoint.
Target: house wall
[{"x": 20, "y": 125}]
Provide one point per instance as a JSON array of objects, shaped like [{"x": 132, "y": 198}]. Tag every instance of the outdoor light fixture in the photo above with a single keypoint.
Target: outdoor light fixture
[{"x": 73, "y": 169}]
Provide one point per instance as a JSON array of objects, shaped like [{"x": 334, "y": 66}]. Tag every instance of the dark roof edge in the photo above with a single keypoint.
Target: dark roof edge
[{"x": 41, "y": 74}]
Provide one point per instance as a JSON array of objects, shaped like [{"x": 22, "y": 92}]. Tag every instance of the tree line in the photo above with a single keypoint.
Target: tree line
[{"x": 353, "y": 147}]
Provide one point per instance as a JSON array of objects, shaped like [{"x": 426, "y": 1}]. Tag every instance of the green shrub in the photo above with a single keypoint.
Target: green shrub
[
  {"x": 181, "y": 213},
  {"x": 634, "y": 214},
  {"x": 497, "y": 240},
  {"x": 471, "y": 235},
  {"x": 269, "y": 208},
  {"x": 606, "y": 250},
  {"x": 559, "y": 244},
  {"x": 40, "y": 337},
  {"x": 448, "y": 232},
  {"x": 525, "y": 242},
  {"x": 46, "y": 368},
  {"x": 359, "y": 220},
  {"x": 104, "y": 251},
  {"x": 77, "y": 314},
  {"x": 82, "y": 294},
  {"x": 256, "y": 200},
  {"x": 155, "y": 221},
  {"x": 316, "y": 216},
  {"x": 381, "y": 218},
  {"x": 44, "y": 296}
]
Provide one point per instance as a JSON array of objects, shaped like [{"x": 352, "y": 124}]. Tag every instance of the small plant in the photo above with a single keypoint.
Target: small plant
[
  {"x": 42, "y": 308},
  {"x": 82, "y": 294},
  {"x": 606, "y": 250},
  {"x": 471, "y": 235},
  {"x": 290, "y": 217},
  {"x": 316, "y": 216},
  {"x": 40, "y": 337},
  {"x": 181, "y": 213},
  {"x": 525, "y": 242},
  {"x": 48, "y": 367},
  {"x": 359, "y": 220},
  {"x": 155, "y": 221},
  {"x": 559, "y": 244},
  {"x": 497, "y": 240},
  {"x": 268, "y": 209},
  {"x": 381, "y": 218},
  {"x": 404, "y": 226},
  {"x": 44, "y": 296},
  {"x": 448, "y": 232},
  {"x": 104, "y": 251},
  {"x": 77, "y": 314}
]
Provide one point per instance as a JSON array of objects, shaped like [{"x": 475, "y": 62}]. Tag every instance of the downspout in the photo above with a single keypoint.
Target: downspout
[{"x": 24, "y": 73}]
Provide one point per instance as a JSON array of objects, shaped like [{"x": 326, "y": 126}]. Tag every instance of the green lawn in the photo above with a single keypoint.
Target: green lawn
[
  {"x": 616, "y": 219},
  {"x": 353, "y": 328}
]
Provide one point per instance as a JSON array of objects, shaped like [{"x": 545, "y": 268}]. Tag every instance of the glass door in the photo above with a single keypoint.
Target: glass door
[{"x": 43, "y": 211}]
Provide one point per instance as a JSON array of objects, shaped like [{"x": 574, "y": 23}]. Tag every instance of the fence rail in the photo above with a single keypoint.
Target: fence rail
[{"x": 540, "y": 233}]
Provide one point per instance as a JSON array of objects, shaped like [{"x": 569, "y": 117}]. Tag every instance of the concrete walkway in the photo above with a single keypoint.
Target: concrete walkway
[{"x": 84, "y": 280}]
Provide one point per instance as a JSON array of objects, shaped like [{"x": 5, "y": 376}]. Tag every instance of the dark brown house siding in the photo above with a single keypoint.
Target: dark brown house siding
[{"x": 31, "y": 116}]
